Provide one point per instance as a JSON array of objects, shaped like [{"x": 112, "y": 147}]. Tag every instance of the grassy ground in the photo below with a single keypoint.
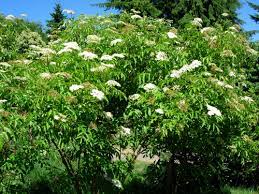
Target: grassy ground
[{"x": 243, "y": 191}]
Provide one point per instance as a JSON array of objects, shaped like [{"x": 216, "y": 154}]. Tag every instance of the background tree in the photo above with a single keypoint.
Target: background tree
[
  {"x": 181, "y": 11},
  {"x": 254, "y": 17},
  {"x": 57, "y": 19}
]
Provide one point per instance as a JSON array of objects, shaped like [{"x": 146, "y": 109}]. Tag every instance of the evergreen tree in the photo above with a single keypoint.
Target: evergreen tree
[
  {"x": 57, "y": 19},
  {"x": 181, "y": 10},
  {"x": 254, "y": 17}
]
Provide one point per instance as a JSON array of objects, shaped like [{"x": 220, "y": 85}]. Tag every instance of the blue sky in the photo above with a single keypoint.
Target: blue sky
[{"x": 38, "y": 10}]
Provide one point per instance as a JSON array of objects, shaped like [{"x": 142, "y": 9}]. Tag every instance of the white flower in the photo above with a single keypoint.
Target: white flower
[
  {"x": 195, "y": 64},
  {"x": 118, "y": 55},
  {"x": 228, "y": 86},
  {"x": 108, "y": 115},
  {"x": 75, "y": 87},
  {"x": 165, "y": 89},
  {"x": 88, "y": 55},
  {"x": 102, "y": 67},
  {"x": 2, "y": 101},
  {"x": 161, "y": 56},
  {"x": 213, "y": 111},
  {"x": 45, "y": 75},
  {"x": 113, "y": 83},
  {"x": 108, "y": 65},
  {"x": 197, "y": 22},
  {"x": 233, "y": 28},
  {"x": 26, "y": 61},
  {"x": 63, "y": 74},
  {"x": 171, "y": 35},
  {"x": 46, "y": 51},
  {"x": 97, "y": 94},
  {"x": 225, "y": 14},
  {"x": 150, "y": 42},
  {"x": 136, "y": 16},
  {"x": 159, "y": 111},
  {"x": 135, "y": 11},
  {"x": 60, "y": 117},
  {"x": 247, "y": 98},
  {"x": 207, "y": 74},
  {"x": 117, "y": 183},
  {"x": 150, "y": 87},
  {"x": 116, "y": 41},
  {"x": 69, "y": 11},
  {"x": 65, "y": 50},
  {"x": 52, "y": 63},
  {"x": 252, "y": 51},
  {"x": 177, "y": 73},
  {"x": 72, "y": 45},
  {"x": 134, "y": 97},
  {"x": 4, "y": 64},
  {"x": 19, "y": 78},
  {"x": 10, "y": 17},
  {"x": 106, "y": 58},
  {"x": 93, "y": 39},
  {"x": 232, "y": 74},
  {"x": 207, "y": 30},
  {"x": 126, "y": 130}
]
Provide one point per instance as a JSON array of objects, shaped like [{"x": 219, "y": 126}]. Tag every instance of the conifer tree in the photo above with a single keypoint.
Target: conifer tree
[
  {"x": 254, "y": 17},
  {"x": 57, "y": 19},
  {"x": 181, "y": 10}
]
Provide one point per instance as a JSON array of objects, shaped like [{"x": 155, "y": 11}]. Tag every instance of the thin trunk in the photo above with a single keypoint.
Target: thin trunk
[{"x": 171, "y": 181}]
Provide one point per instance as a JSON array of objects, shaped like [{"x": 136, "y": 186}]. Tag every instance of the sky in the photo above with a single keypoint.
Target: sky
[{"x": 39, "y": 10}]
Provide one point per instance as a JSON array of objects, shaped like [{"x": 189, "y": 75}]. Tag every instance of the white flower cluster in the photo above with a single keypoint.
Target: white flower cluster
[
  {"x": 93, "y": 39},
  {"x": 111, "y": 57},
  {"x": 213, "y": 111},
  {"x": 150, "y": 87},
  {"x": 159, "y": 111},
  {"x": 108, "y": 115},
  {"x": 134, "y": 97},
  {"x": 102, "y": 67},
  {"x": 126, "y": 131},
  {"x": 113, "y": 83},
  {"x": 97, "y": 94},
  {"x": 10, "y": 17},
  {"x": 232, "y": 74},
  {"x": 197, "y": 22},
  {"x": 60, "y": 117},
  {"x": 3, "y": 101},
  {"x": 116, "y": 41},
  {"x": 5, "y": 64},
  {"x": 46, "y": 75},
  {"x": 136, "y": 16},
  {"x": 247, "y": 99},
  {"x": 88, "y": 55},
  {"x": 185, "y": 68},
  {"x": 75, "y": 87},
  {"x": 161, "y": 56},
  {"x": 171, "y": 35},
  {"x": 69, "y": 47},
  {"x": 221, "y": 83},
  {"x": 207, "y": 30},
  {"x": 225, "y": 14}
]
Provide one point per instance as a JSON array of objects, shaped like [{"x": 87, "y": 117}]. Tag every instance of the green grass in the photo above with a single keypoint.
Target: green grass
[{"x": 243, "y": 191}]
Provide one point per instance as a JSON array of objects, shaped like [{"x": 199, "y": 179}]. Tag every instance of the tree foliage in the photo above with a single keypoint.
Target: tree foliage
[
  {"x": 57, "y": 18},
  {"x": 181, "y": 11},
  {"x": 113, "y": 89},
  {"x": 254, "y": 17}
]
